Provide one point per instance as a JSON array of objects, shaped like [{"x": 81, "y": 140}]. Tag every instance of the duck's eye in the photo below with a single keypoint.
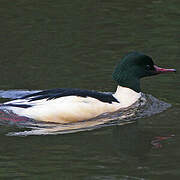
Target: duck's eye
[{"x": 148, "y": 67}]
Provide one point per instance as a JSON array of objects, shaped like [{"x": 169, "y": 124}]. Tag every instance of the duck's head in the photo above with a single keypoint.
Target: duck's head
[{"x": 133, "y": 67}]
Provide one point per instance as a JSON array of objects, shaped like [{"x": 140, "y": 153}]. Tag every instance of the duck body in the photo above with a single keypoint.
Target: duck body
[{"x": 71, "y": 105}]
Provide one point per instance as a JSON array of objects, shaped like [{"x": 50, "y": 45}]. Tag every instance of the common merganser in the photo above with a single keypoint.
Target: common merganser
[{"x": 72, "y": 105}]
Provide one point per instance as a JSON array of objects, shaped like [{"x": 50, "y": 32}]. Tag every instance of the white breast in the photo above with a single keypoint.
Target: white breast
[{"x": 126, "y": 96}]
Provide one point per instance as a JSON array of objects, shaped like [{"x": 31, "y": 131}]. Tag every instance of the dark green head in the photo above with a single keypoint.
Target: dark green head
[{"x": 133, "y": 67}]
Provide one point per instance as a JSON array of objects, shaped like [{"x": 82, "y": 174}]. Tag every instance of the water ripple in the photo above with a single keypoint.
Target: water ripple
[{"x": 146, "y": 106}]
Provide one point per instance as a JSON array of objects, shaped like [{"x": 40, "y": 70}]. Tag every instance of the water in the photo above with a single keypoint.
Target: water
[
  {"x": 146, "y": 106},
  {"x": 47, "y": 44}
]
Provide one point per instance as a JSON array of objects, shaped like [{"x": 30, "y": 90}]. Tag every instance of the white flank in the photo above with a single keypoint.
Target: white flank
[{"x": 74, "y": 108}]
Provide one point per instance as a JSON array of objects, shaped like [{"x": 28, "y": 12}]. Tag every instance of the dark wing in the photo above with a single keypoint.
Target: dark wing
[{"x": 62, "y": 92}]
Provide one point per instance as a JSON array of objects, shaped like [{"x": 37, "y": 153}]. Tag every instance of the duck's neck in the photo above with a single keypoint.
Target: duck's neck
[
  {"x": 127, "y": 79},
  {"x": 126, "y": 96}
]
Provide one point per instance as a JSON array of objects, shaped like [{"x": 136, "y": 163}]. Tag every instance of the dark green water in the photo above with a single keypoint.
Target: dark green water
[{"x": 49, "y": 44}]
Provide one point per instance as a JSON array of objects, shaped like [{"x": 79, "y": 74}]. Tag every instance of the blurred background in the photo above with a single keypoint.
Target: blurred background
[{"x": 49, "y": 44}]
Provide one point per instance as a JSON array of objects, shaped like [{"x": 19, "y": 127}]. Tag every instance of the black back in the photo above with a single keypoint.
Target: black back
[{"x": 62, "y": 92}]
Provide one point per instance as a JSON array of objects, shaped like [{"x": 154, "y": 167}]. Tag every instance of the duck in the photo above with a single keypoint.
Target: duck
[{"x": 69, "y": 105}]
